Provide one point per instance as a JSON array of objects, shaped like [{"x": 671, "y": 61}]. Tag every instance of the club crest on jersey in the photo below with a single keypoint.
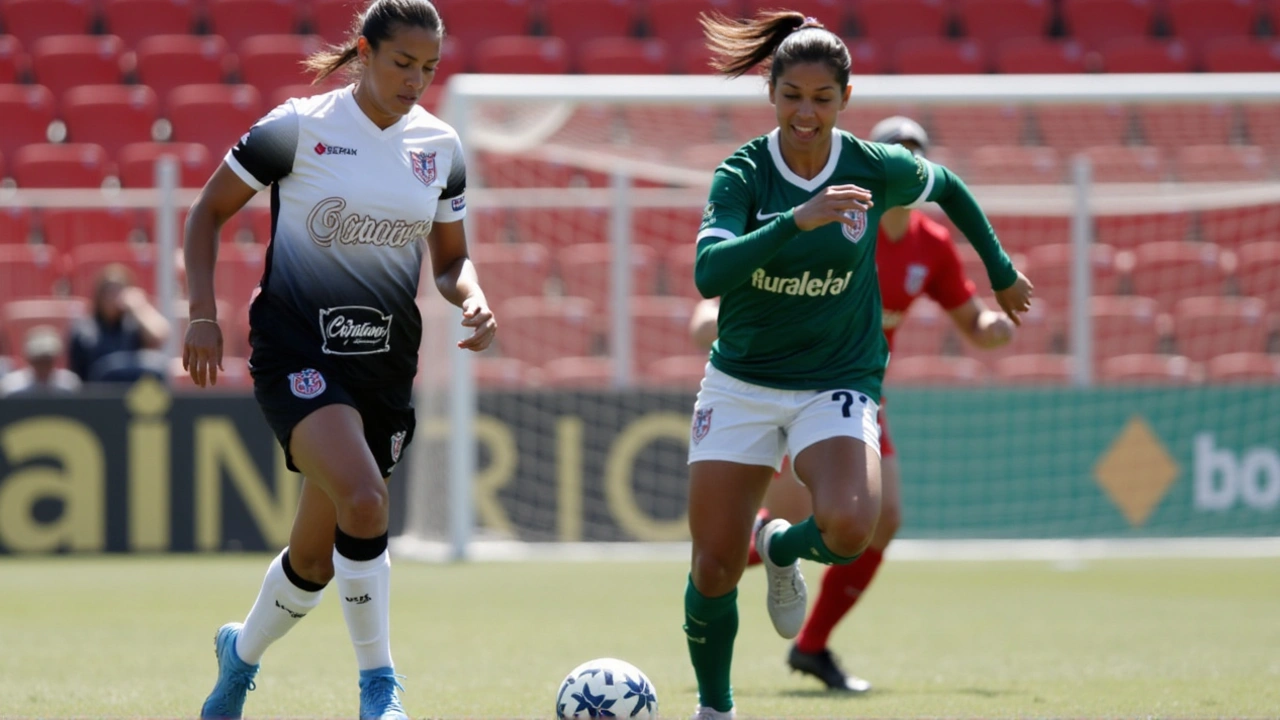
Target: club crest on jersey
[
  {"x": 424, "y": 165},
  {"x": 916, "y": 275},
  {"x": 397, "y": 445},
  {"x": 855, "y": 232},
  {"x": 701, "y": 424},
  {"x": 307, "y": 384}
]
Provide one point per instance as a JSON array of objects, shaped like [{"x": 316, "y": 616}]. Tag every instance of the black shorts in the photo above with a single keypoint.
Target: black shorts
[{"x": 290, "y": 387}]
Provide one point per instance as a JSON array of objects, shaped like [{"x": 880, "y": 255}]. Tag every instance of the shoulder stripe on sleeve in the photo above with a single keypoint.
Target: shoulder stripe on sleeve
[
  {"x": 716, "y": 232},
  {"x": 928, "y": 185},
  {"x": 242, "y": 173}
]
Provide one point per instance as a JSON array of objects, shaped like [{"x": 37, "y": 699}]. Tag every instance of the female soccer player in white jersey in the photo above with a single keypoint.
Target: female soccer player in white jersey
[
  {"x": 788, "y": 244},
  {"x": 362, "y": 181}
]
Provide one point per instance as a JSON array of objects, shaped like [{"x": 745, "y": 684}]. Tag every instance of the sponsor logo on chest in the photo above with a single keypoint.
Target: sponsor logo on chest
[
  {"x": 804, "y": 285},
  {"x": 322, "y": 149},
  {"x": 355, "y": 330}
]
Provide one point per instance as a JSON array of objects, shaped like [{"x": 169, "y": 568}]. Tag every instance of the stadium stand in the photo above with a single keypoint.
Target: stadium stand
[
  {"x": 238, "y": 20},
  {"x": 133, "y": 21},
  {"x": 13, "y": 61},
  {"x": 540, "y": 329},
  {"x": 110, "y": 115},
  {"x": 30, "y": 20},
  {"x": 60, "y": 62},
  {"x": 166, "y": 62}
]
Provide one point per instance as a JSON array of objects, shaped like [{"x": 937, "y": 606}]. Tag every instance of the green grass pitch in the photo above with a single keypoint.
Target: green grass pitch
[{"x": 132, "y": 637}]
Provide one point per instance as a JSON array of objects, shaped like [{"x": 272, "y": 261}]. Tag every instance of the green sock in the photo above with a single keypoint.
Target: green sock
[
  {"x": 804, "y": 540},
  {"x": 710, "y": 625}
]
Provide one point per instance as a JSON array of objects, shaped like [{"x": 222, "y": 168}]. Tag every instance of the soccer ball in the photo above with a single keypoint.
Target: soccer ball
[{"x": 606, "y": 688}]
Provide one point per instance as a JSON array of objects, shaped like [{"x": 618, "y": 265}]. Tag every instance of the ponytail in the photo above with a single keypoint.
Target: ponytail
[{"x": 773, "y": 40}]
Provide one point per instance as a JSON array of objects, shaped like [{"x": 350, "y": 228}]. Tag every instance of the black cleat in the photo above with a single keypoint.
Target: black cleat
[{"x": 823, "y": 665}]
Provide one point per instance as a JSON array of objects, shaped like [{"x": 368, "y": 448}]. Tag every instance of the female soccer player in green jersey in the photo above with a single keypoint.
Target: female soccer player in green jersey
[{"x": 787, "y": 241}]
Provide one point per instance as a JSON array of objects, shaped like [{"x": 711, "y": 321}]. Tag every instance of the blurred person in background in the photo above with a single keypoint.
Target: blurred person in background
[
  {"x": 42, "y": 376},
  {"x": 915, "y": 256},
  {"x": 122, "y": 338}
]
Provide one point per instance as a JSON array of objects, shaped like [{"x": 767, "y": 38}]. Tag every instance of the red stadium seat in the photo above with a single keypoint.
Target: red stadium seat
[
  {"x": 556, "y": 228},
  {"x": 992, "y": 21},
  {"x": 1124, "y": 325},
  {"x": 1050, "y": 266},
  {"x": 1243, "y": 368},
  {"x": 166, "y": 62},
  {"x": 586, "y": 270},
  {"x": 1014, "y": 165},
  {"x": 60, "y": 62},
  {"x": 30, "y": 20},
  {"x": 237, "y": 20},
  {"x": 676, "y": 371},
  {"x": 939, "y": 56},
  {"x": 1022, "y": 232},
  {"x": 1094, "y": 22},
  {"x": 1169, "y": 270},
  {"x": 923, "y": 331},
  {"x": 15, "y": 225},
  {"x": 215, "y": 116},
  {"x": 1127, "y": 163},
  {"x": 977, "y": 125},
  {"x": 695, "y": 58},
  {"x": 834, "y": 14},
  {"x": 25, "y": 114},
  {"x": 504, "y": 373},
  {"x": 1038, "y": 55},
  {"x": 1231, "y": 227},
  {"x": 66, "y": 228},
  {"x": 60, "y": 166},
  {"x": 679, "y": 271},
  {"x": 136, "y": 20},
  {"x": 500, "y": 170},
  {"x": 333, "y": 19},
  {"x": 1196, "y": 22},
  {"x": 29, "y": 270},
  {"x": 1222, "y": 163},
  {"x": 889, "y": 22},
  {"x": 650, "y": 126},
  {"x": 89, "y": 260},
  {"x": 538, "y": 330},
  {"x": 1258, "y": 271},
  {"x": 579, "y": 21},
  {"x": 1127, "y": 231},
  {"x": 623, "y": 56},
  {"x": 1208, "y": 326},
  {"x": 137, "y": 164},
  {"x": 578, "y": 372},
  {"x": 1178, "y": 125},
  {"x": 936, "y": 370},
  {"x": 676, "y": 21},
  {"x": 110, "y": 115},
  {"x": 1262, "y": 124},
  {"x": 13, "y": 62},
  {"x": 270, "y": 62},
  {"x": 239, "y": 270},
  {"x": 867, "y": 57},
  {"x": 472, "y": 21},
  {"x": 1041, "y": 369},
  {"x": 665, "y": 228},
  {"x": 521, "y": 55},
  {"x": 1149, "y": 368},
  {"x": 20, "y": 316},
  {"x": 1146, "y": 55},
  {"x": 1239, "y": 54},
  {"x": 659, "y": 328},
  {"x": 1072, "y": 127},
  {"x": 512, "y": 270}
]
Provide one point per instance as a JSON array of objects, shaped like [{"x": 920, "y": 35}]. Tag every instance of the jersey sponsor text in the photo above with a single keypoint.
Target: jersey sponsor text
[
  {"x": 803, "y": 285},
  {"x": 327, "y": 223},
  {"x": 355, "y": 330}
]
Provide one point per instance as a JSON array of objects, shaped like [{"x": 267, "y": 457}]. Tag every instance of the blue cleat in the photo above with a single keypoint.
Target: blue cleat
[
  {"x": 378, "y": 697},
  {"x": 235, "y": 677}
]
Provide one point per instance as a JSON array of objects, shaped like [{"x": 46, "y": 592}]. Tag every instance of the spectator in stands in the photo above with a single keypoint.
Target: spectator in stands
[
  {"x": 42, "y": 375},
  {"x": 121, "y": 340}
]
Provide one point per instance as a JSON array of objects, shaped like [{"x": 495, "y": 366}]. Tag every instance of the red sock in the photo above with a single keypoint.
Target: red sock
[
  {"x": 842, "y": 585},
  {"x": 753, "y": 557}
]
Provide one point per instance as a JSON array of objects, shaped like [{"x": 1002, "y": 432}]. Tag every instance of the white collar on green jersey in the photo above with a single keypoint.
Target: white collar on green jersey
[{"x": 775, "y": 150}]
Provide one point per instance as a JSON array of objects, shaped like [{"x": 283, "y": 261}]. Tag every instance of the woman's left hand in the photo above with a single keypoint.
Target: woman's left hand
[
  {"x": 476, "y": 314},
  {"x": 1016, "y": 298}
]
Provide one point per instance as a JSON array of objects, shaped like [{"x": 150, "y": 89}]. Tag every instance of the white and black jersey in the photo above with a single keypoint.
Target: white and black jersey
[{"x": 351, "y": 207}]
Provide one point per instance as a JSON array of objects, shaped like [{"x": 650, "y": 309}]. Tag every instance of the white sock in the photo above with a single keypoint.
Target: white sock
[
  {"x": 365, "y": 586},
  {"x": 280, "y": 605}
]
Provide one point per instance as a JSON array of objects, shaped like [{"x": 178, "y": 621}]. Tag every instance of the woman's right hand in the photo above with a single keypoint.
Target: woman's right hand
[
  {"x": 202, "y": 352},
  {"x": 830, "y": 206}
]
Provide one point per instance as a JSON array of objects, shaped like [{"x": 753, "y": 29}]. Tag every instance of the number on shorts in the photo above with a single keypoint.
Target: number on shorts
[{"x": 847, "y": 397}]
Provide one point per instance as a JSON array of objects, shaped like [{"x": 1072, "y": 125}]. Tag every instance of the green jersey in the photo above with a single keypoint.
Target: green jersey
[{"x": 801, "y": 310}]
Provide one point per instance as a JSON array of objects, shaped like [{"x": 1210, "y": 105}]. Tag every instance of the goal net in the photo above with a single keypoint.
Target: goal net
[{"x": 1140, "y": 399}]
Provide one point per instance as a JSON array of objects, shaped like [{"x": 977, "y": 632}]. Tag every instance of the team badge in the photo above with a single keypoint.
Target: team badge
[
  {"x": 855, "y": 232},
  {"x": 701, "y": 424},
  {"x": 916, "y": 275},
  {"x": 424, "y": 165},
  {"x": 708, "y": 215},
  {"x": 307, "y": 384},
  {"x": 397, "y": 445}
]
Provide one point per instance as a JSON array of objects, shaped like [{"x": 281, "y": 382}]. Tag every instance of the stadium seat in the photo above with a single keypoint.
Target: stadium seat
[
  {"x": 1014, "y": 165},
  {"x": 237, "y": 20},
  {"x": 13, "y": 61},
  {"x": 270, "y": 62},
  {"x": 538, "y": 330},
  {"x": 1146, "y": 55},
  {"x": 1243, "y": 368},
  {"x": 1050, "y": 265},
  {"x": 30, "y": 20},
  {"x": 1019, "y": 233},
  {"x": 333, "y": 19},
  {"x": 889, "y": 22},
  {"x": 1223, "y": 163},
  {"x": 1127, "y": 163},
  {"x": 1231, "y": 227},
  {"x": 834, "y": 14},
  {"x": 958, "y": 371},
  {"x": 867, "y": 57},
  {"x": 991, "y": 21},
  {"x": 1149, "y": 368},
  {"x": 512, "y": 270},
  {"x": 1258, "y": 271},
  {"x": 650, "y": 126},
  {"x": 1124, "y": 325},
  {"x": 66, "y": 228},
  {"x": 15, "y": 225},
  {"x": 1197, "y": 22},
  {"x": 676, "y": 21},
  {"x": 1174, "y": 126},
  {"x": 500, "y": 170},
  {"x": 922, "y": 332},
  {"x": 215, "y": 116},
  {"x": 472, "y": 21},
  {"x": 1238, "y": 54},
  {"x": 694, "y": 58},
  {"x": 676, "y": 371},
  {"x": 977, "y": 125},
  {"x": 74, "y": 165},
  {"x": 659, "y": 328},
  {"x": 1072, "y": 127},
  {"x": 1262, "y": 124},
  {"x": 939, "y": 56},
  {"x": 1127, "y": 231},
  {"x": 665, "y": 228},
  {"x": 521, "y": 55},
  {"x": 60, "y": 62},
  {"x": 585, "y": 271},
  {"x": 1169, "y": 270},
  {"x": 1208, "y": 326},
  {"x": 623, "y": 56},
  {"x": 136, "y": 20},
  {"x": 1095, "y": 22},
  {"x": 577, "y": 372},
  {"x": 19, "y": 316},
  {"x": 239, "y": 270},
  {"x": 1038, "y": 369},
  {"x": 580, "y": 21},
  {"x": 136, "y": 163},
  {"x": 1040, "y": 56},
  {"x": 110, "y": 115},
  {"x": 166, "y": 62},
  {"x": 25, "y": 114},
  {"x": 559, "y": 227},
  {"x": 679, "y": 262},
  {"x": 88, "y": 260},
  {"x": 493, "y": 372},
  {"x": 29, "y": 270}
]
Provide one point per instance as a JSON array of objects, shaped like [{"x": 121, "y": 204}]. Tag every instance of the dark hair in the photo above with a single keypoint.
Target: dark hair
[
  {"x": 375, "y": 24},
  {"x": 776, "y": 39}
]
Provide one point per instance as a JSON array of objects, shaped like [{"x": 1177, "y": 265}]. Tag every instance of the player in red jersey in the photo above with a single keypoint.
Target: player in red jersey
[{"x": 915, "y": 256}]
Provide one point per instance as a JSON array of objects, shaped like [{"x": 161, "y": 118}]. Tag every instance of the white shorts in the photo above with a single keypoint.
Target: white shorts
[{"x": 754, "y": 425}]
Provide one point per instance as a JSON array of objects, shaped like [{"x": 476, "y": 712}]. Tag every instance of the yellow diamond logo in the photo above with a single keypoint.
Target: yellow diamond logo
[{"x": 1136, "y": 471}]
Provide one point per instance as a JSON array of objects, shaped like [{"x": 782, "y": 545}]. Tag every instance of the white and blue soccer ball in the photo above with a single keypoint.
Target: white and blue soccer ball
[{"x": 606, "y": 688}]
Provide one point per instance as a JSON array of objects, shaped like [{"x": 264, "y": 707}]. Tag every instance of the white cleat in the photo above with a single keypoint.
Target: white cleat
[
  {"x": 706, "y": 713},
  {"x": 788, "y": 596}
]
